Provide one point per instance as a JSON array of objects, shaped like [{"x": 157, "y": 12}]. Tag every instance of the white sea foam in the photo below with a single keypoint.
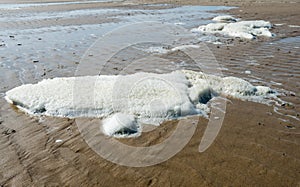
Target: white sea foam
[
  {"x": 159, "y": 49},
  {"x": 121, "y": 125},
  {"x": 211, "y": 27},
  {"x": 279, "y": 24},
  {"x": 164, "y": 50},
  {"x": 126, "y": 101},
  {"x": 225, "y": 18},
  {"x": 182, "y": 47},
  {"x": 241, "y": 29},
  {"x": 294, "y": 26}
]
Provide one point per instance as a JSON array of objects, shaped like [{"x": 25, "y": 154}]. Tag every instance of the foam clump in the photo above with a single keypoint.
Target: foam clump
[
  {"x": 152, "y": 97},
  {"x": 182, "y": 47},
  {"x": 211, "y": 27},
  {"x": 164, "y": 50},
  {"x": 225, "y": 18},
  {"x": 241, "y": 29},
  {"x": 160, "y": 50},
  {"x": 205, "y": 86},
  {"x": 121, "y": 125},
  {"x": 127, "y": 101}
]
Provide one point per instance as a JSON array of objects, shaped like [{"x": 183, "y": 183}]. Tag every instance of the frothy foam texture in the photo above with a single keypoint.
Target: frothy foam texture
[
  {"x": 127, "y": 101},
  {"x": 226, "y": 18},
  {"x": 227, "y": 25},
  {"x": 164, "y": 50},
  {"x": 121, "y": 125}
]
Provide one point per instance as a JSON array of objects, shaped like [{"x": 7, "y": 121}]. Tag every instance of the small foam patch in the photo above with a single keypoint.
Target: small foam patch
[
  {"x": 240, "y": 29},
  {"x": 121, "y": 125}
]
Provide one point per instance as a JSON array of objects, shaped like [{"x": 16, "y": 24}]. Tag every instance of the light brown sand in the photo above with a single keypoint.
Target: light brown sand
[{"x": 254, "y": 147}]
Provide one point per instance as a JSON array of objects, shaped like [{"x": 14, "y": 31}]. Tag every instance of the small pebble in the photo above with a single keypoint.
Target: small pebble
[
  {"x": 290, "y": 127},
  {"x": 58, "y": 141},
  {"x": 9, "y": 131},
  {"x": 248, "y": 72}
]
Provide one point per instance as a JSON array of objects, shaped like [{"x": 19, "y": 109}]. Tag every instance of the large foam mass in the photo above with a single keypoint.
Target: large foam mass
[{"x": 129, "y": 100}]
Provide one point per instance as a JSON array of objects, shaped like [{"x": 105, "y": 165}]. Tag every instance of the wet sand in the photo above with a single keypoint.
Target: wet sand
[{"x": 255, "y": 147}]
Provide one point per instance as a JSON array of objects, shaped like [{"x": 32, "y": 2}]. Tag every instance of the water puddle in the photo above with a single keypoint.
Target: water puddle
[
  {"x": 187, "y": 16},
  {"x": 15, "y": 6},
  {"x": 32, "y": 54}
]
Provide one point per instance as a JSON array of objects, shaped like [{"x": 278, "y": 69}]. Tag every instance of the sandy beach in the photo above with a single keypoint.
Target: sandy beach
[{"x": 258, "y": 145}]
